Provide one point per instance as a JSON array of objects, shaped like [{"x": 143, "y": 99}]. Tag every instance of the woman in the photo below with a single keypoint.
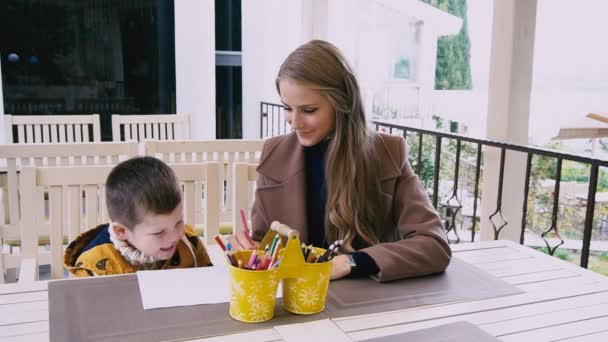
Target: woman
[{"x": 334, "y": 178}]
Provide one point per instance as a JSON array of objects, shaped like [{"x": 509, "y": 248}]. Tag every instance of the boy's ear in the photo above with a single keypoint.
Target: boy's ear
[{"x": 120, "y": 231}]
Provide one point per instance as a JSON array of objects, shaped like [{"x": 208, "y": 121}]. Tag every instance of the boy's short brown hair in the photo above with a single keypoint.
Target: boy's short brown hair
[{"x": 138, "y": 186}]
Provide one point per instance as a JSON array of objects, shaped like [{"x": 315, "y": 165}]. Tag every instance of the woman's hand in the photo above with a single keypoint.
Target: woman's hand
[
  {"x": 340, "y": 267},
  {"x": 239, "y": 242}
]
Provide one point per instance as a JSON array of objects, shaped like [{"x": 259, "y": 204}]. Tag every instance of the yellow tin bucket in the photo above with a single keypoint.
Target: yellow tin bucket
[
  {"x": 252, "y": 293},
  {"x": 305, "y": 292}
]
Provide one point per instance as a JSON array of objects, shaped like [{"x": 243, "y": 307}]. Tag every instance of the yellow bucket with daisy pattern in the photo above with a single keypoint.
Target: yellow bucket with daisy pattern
[
  {"x": 304, "y": 290},
  {"x": 252, "y": 293}
]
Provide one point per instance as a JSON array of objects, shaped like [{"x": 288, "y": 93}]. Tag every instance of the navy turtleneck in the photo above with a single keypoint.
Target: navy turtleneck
[
  {"x": 316, "y": 193},
  {"x": 316, "y": 199}
]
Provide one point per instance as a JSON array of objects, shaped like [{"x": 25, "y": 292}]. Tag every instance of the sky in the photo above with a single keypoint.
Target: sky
[{"x": 570, "y": 77}]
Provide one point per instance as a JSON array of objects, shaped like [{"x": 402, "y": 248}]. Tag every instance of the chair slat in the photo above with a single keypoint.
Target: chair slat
[
  {"x": 21, "y": 134},
  {"x": 70, "y": 133},
  {"x": 55, "y": 198},
  {"x": 72, "y": 200},
  {"x": 30, "y": 134},
  {"x": 37, "y": 134},
  {"x": 92, "y": 206}
]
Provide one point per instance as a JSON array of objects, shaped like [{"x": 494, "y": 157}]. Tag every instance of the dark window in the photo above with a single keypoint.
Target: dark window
[
  {"x": 88, "y": 56},
  {"x": 228, "y": 25},
  {"x": 229, "y": 102},
  {"x": 228, "y": 71}
]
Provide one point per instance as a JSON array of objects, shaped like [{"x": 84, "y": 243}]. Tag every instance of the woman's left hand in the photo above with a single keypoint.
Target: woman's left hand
[{"x": 340, "y": 267}]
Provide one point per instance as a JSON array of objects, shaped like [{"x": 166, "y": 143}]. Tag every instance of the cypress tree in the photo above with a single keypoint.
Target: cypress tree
[{"x": 453, "y": 69}]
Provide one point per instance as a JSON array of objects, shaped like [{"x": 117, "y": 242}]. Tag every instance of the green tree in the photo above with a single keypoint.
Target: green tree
[{"x": 453, "y": 69}]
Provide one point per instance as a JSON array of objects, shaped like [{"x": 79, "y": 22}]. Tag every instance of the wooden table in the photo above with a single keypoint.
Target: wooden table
[{"x": 561, "y": 302}]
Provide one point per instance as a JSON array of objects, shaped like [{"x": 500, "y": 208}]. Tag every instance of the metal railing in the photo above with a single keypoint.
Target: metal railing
[{"x": 271, "y": 116}]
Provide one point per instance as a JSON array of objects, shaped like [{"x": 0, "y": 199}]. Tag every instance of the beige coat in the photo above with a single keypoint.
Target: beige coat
[{"x": 420, "y": 245}]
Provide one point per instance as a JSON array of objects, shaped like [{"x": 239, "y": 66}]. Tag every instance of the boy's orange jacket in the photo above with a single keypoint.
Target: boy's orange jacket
[{"x": 104, "y": 259}]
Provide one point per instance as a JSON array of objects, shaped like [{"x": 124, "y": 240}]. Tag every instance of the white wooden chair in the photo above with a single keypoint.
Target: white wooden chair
[
  {"x": 18, "y": 156},
  {"x": 226, "y": 152},
  {"x": 244, "y": 176},
  {"x": 150, "y": 127},
  {"x": 53, "y": 128},
  {"x": 65, "y": 186}
]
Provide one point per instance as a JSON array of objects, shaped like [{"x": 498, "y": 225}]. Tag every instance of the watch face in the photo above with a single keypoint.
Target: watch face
[{"x": 351, "y": 261}]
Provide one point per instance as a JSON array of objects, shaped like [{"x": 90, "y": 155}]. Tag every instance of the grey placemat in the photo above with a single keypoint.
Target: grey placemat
[
  {"x": 460, "y": 282},
  {"x": 110, "y": 308},
  {"x": 453, "y": 332}
]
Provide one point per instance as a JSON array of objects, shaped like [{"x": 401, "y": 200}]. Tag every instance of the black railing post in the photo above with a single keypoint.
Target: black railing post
[
  {"x": 419, "y": 164},
  {"x": 476, "y": 194},
  {"x": 558, "y": 179},
  {"x": 499, "y": 197},
  {"x": 261, "y": 120},
  {"x": 436, "y": 171},
  {"x": 589, "y": 215},
  {"x": 525, "y": 205}
]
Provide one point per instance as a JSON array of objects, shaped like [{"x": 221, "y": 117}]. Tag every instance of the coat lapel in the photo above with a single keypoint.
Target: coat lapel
[{"x": 283, "y": 196}]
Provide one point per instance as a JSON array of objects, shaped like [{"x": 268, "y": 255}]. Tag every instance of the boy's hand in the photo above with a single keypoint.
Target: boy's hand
[
  {"x": 340, "y": 267},
  {"x": 240, "y": 242}
]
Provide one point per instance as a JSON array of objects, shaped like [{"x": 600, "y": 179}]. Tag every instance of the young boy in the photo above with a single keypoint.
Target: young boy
[{"x": 146, "y": 231}]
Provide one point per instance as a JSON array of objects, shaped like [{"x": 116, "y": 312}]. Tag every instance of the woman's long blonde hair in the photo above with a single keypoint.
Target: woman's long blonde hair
[{"x": 355, "y": 205}]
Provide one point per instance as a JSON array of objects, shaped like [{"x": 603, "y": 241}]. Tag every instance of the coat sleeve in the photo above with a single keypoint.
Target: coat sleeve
[{"x": 423, "y": 248}]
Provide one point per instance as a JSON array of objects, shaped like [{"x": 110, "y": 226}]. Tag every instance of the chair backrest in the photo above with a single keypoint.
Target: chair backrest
[
  {"x": 244, "y": 176},
  {"x": 150, "y": 127},
  {"x": 53, "y": 128},
  {"x": 66, "y": 185},
  {"x": 226, "y": 152},
  {"x": 17, "y": 156}
]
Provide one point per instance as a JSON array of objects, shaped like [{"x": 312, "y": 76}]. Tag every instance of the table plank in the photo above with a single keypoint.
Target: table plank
[
  {"x": 487, "y": 252},
  {"x": 560, "y": 331},
  {"x": 521, "y": 268},
  {"x": 593, "y": 337},
  {"x": 24, "y": 329},
  {"x": 545, "y": 258},
  {"x": 23, "y": 297},
  {"x": 539, "y": 277},
  {"x": 459, "y": 247},
  {"x": 42, "y": 337},
  {"x": 548, "y": 319},
  {"x": 556, "y": 284},
  {"x": 23, "y": 313},
  {"x": 9, "y": 309},
  {"x": 23, "y": 287},
  {"x": 356, "y": 323},
  {"x": 484, "y": 259},
  {"x": 484, "y": 318},
  {"x": 251, "y": 336},
  {"x": 321, "y": 330}
]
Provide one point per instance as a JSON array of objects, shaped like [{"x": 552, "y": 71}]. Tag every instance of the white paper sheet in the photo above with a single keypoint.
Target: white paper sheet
[
  {"x": 188, "y": 286},
  {"x": 183, "y": 287}
]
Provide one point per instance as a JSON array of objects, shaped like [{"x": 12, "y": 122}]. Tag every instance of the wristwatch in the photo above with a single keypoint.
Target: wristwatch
[{"x": 351, "y": 261}]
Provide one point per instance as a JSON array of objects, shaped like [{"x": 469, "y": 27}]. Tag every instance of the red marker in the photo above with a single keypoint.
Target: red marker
[
  {"x": 246, "y": 227},
  {"x": 219, "y": 241}
]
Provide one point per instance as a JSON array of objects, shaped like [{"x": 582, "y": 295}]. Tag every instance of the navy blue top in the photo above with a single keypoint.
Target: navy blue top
[
  {"x": 316, "y": 198},
  {"x": 102, "y": 237}
]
